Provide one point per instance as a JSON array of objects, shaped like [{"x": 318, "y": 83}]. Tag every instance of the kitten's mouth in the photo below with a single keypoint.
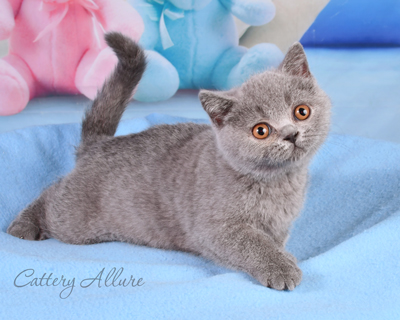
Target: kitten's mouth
[
  {"x": 297, "y": 153},
  {"x": 294, "y": 153},
  {"x": 291, "y": 155},
  {"x": 297, "y": 147}
]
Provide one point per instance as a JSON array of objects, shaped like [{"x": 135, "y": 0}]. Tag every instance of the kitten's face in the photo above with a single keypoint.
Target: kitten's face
[{"x": 276, "y": 119}]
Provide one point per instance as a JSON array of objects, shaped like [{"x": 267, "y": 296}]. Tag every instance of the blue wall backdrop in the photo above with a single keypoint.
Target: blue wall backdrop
[{"x": 356, "y": 22}]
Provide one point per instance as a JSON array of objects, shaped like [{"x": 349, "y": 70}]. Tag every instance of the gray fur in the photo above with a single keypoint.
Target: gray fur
[{"x": 215, "y": 191}]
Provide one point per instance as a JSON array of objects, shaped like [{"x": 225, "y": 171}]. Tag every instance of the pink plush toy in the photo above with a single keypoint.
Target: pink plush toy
[{"x": 58, "y": 46}]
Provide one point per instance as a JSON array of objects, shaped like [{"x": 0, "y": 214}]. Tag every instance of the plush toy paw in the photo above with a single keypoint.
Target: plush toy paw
[
  {"x": 252, "y": 12},
  {"x": 160, "y": 80},
  {"x": 190, "y": 4},
  {"x": 6, "y": 20},
  {"x": 94, "y": 68},
  {"x": 14, "y": 91},
  {"x": 257, "y": 59}
]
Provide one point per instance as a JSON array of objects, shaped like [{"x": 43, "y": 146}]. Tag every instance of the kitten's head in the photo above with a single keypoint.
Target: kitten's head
[{"x": 277, "y": 119}]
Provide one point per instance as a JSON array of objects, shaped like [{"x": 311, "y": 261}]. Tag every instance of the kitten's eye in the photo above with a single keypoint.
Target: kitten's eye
[
  {"x": 302, "y": 112},
  {"x": 261, "y": 131}
]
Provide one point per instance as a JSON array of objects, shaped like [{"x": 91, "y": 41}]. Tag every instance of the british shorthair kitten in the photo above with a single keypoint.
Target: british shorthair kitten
[{"x": 228, "y": 191}]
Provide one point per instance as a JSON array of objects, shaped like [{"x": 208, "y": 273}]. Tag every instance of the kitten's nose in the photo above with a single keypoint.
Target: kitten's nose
[
  {"x": 292, "y": 137},
  {"x": 289, "y": 133}
]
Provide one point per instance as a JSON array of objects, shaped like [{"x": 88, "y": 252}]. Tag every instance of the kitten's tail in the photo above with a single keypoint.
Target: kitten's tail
[{"x": 107, "y": 109}]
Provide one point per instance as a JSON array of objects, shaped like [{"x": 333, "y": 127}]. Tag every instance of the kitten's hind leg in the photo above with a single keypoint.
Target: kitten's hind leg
[{"x": 30, "y": 223}]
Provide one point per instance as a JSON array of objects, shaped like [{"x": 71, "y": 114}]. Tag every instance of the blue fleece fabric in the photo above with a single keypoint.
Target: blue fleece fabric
[
  {"x": 347, "y": 238},
  {"x": 202, "y": 49}
]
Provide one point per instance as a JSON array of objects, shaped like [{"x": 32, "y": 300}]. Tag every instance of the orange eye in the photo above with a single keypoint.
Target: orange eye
[
  {"x": 302, "y": 112},
  {"x": 261, "y": 131}
]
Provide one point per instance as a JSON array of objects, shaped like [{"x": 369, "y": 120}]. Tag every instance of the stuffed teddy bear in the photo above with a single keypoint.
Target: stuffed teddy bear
[
  {"x": 57, "y": 46},
  {"x": 199, "y": 38}
]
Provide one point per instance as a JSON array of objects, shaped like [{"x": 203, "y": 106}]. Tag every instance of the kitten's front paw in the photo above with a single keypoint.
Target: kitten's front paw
[
  {"x": 24, "y": 230},
  {"x": 290, "y": 257},
  {"x": 281, "y": 273}
]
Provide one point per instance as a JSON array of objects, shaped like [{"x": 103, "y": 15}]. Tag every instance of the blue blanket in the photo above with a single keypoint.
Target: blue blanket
[{"x": 347, "y": 239}]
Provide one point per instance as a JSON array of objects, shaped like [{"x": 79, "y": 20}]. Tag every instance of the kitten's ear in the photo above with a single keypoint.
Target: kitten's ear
[
  {"x": 295, "y": 62},
  {"x": 217, "y": 104}
]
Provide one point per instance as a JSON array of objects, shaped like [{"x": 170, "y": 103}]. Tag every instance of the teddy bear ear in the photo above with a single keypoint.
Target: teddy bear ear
[
  {"x": 295, "y": 62},
  {"x": 217, "y": 104}
]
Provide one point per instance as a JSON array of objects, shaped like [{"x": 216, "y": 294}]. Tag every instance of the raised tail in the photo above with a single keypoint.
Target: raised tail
[{"x": 109, "y": 105}]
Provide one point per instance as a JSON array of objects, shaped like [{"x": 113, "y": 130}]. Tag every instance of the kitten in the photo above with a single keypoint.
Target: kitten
[{"x": 228, "y": 192}]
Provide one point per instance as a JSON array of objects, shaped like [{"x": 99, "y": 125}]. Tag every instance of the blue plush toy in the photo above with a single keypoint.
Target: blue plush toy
[{"x": 193, "y": 44}]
